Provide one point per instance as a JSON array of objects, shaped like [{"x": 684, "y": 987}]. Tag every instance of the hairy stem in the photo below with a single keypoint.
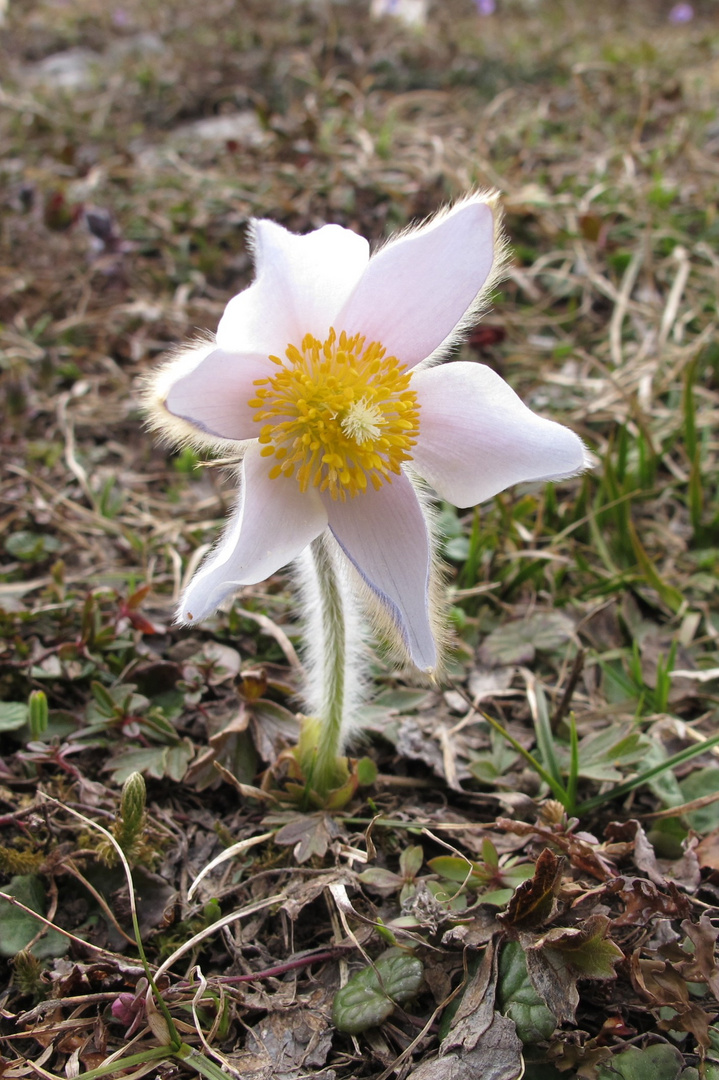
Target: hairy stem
[{"x": 333, "y": 630}]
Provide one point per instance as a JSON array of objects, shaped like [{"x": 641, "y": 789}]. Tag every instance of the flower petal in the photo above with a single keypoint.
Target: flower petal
[
  {"x": 385, "y": 536},
  {"x": 214, "y": 395},
  {"x": 418, "y": 288},
  {"x": 476, "y": 437},
  {"x": 301, "y": 284},
  {"x": 272, "y": 524}
]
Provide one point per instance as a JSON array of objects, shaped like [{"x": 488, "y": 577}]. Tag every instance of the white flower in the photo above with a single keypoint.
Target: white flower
[
  {"x": 411, "y": 12},
  {"x": 325, "y": 372}
]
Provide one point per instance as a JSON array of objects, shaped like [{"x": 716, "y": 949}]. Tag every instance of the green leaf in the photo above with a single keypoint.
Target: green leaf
[
  {"x": 668, "y": 594},
  {"x": 702, "y": 782},
  {"x": 30, "y": 546},
  {"x": 379, "y": 878},
  {"x": 200, "y": 1063},
  {"x": 18, "y": 928},
  {"x": 461, "y": 871},
  {"x": 410, "y": 861},
  {"x": 586, "y": 949},
  {"x": 562, "y": 956},
  {"x": 366, "y": 772},
  {"x": 657, "y": 1062},
  {"x": 602, "y": 753},
  {"x": 489, "y": 765},
  {"x": 519, "y": 1000},
  {"x": 545, "y": 735},
  {"x": 517, "y": 642},
  {"x": 649, "y": 774},
  {"x": 446, "y": 894},
  {"x": 370, "y": 995},
  {"x": 13, "y": 715},
  {"x": 106, "y": 704},
  {"x": 145, "y": 759},
  {"x": 489, "y": 853},
  {"x": 178, "y": 758},
  {"x": 457, "y": 548},
  {"x": 515, "y": 875},
  {"x": 484, "y": 770},
  {"x": 498, "y": 897}
]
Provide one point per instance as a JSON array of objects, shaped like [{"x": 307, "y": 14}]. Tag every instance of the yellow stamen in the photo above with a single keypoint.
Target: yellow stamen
[{"x": 337, "y": 415}]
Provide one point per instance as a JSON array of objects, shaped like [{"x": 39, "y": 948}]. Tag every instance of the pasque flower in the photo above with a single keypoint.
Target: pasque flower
[{"x": 325, "y": 378}]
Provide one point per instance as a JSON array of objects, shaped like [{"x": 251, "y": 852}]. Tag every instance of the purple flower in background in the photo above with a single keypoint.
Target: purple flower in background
[
  {"x": 681, "y": 13},
  {"x": 485, "y": 7}
]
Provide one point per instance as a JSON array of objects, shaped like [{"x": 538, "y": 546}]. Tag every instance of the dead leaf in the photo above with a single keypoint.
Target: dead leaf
[
  {"x": 642, "y": 899},
  {"x": 484, "y": 683},
  {"x": 286, "y": 1045},
  {"x": 480, "y": 1042},
  {"x": 644, "y": 855},
  {"x": 663, "y": 986},
  {"x": 533, "y": 902},
  {"x": 311, "y": 834},
  {"x": 416, "y": 744},
  {"x": 273, "y": 729},
  {"x": 580, "y": 852},
  {"x": 707, "y": 850},
  {"x": 704, "y": 936},
  {"x": 476, "y": 1008},
  {"x": 474, "y": 930},
  {"x": 685, "y": 871},
  {"x": 498, "y": 1056},
  {"x": 225, "y": 662},
  {"x": 562, "y": 956},
  {"x": 300, "y": 893},
  {"x": 222, "y": 749}
]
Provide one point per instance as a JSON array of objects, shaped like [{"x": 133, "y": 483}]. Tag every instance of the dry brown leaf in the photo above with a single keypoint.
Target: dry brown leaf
[
  {"x": 562, "y": 956},
  {"x": 534, "y": 901}
]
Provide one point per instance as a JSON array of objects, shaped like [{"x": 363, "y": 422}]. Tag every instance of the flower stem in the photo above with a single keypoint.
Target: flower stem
[
  {"x": 334, "y": 661},
  {"x": 325, "y": 770}
]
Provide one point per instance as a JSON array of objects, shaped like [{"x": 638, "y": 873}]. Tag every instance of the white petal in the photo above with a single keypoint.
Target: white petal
[
  {"x": 302, "y": 283},
  {"x": 272, "y": 524},
  {"x": 214, "y": 396},
  {"x": 476, "y": 437},
  {"x": 417, "y": 289},
  {"x": 384, "y": 534}
]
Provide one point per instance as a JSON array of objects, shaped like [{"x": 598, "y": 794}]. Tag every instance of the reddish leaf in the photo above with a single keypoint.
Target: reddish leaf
[
  {"x": 580, "y": 852},
  {"x": 533, "y": 902},
  {"x": 485, "y": 335},
  {"x": 642, "y": 899}
]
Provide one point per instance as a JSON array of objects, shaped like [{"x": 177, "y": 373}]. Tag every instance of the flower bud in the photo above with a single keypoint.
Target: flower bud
[
  {"x": 37, "y": 714},
  {"x": 132, "y": 803}
]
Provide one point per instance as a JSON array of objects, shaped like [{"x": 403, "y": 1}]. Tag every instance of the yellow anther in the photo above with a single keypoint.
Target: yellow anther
[{"x": 337, "y": 414}]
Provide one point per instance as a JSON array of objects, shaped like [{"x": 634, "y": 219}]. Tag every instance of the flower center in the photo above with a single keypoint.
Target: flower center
[{"x": 337, "y": 414}]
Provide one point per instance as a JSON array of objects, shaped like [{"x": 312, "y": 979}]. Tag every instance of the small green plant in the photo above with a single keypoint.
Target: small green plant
[
  {"x": 371, "y": 995},
  {"x": 410, "y": 864},
  {"x": 493, "y": 882},
  {"x": 561, "y": 767},
  {"x": 130, "y": 828}
]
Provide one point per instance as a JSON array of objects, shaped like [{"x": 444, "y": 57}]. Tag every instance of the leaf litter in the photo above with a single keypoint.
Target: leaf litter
[{"x": 552, "y": 938}]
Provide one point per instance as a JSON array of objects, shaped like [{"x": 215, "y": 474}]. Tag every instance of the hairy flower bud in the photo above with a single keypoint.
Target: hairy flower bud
[{"x": 132, "y": 804}]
